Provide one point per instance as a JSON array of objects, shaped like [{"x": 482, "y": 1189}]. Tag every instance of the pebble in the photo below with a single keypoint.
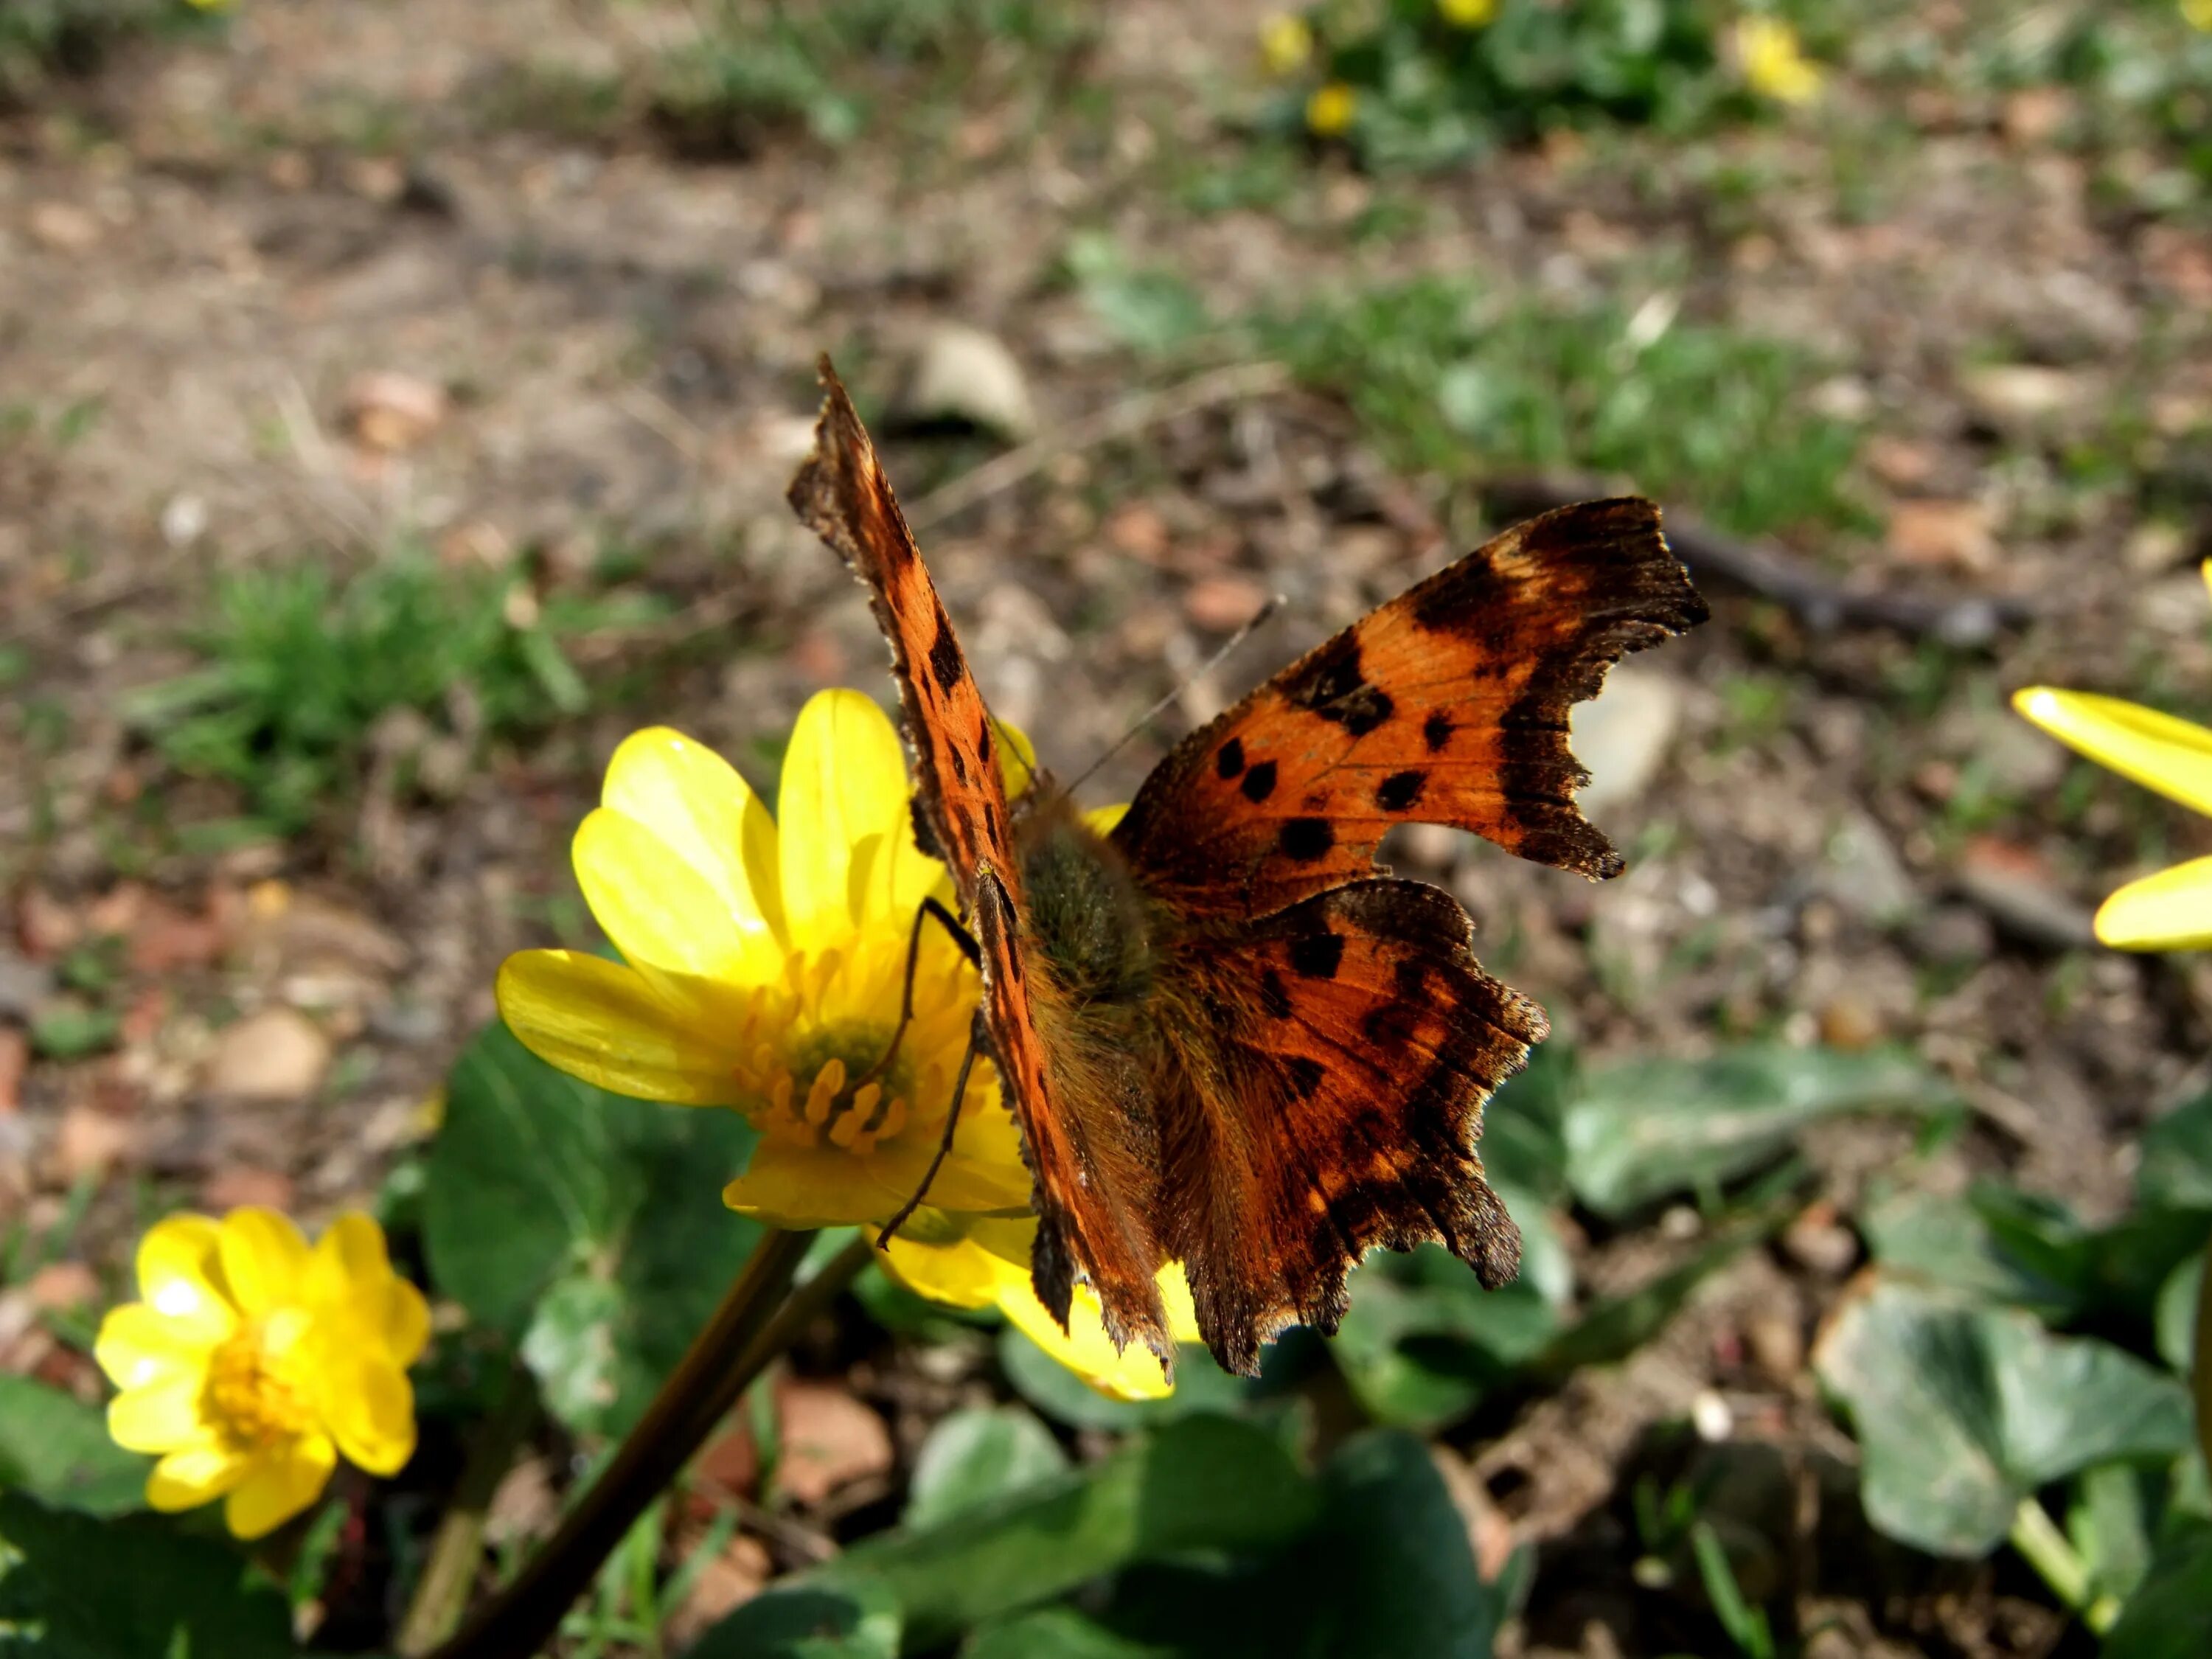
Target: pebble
[
  {"x": 964, "y": 373},
  {"x": 1622, "y": 735},
  {"x": 278, "y": 1054}
]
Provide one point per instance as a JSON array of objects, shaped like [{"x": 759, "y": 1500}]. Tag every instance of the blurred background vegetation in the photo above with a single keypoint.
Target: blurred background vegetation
[{"x": 396, "y": 403}]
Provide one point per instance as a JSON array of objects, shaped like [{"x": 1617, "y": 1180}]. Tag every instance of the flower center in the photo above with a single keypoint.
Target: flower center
[
  {"x": 828, "y": 1088},
  {"x": 257, "y": 1384}
]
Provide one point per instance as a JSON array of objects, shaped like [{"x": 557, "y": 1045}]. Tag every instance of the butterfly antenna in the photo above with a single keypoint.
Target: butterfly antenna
[{"x": 1274, "y": 603}]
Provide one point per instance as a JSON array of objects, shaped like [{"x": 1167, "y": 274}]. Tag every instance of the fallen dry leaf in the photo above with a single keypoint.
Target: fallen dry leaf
[
  {"x": 15, "y": 1061},
  {"x": 60, "y": 1286},
  {"x": 1221, "y": 603},
  {"x": 242, "y": 1186},
  {"x": 1959, "y": 533},
  {"x": 90, "y": 1142},
  {"x": 726, "y": 1583},
  {"x": 827, "y": 1439},
  {"x": 389, "y": 411},
  {"x": 63, "y": 227}
]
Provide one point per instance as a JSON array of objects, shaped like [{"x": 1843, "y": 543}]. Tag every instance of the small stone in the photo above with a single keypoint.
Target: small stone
[
  {"x": 2155, "y": 546},
  {"x": 2019, "y": 895},
  {"x": 1955, "y": 533},
  {"x": 2011, "y": 394},
  {"x": 1848, "y": 1022},
  {"x": 236, "y": 1189},
  {"x": 1221, "y": 604},
  {"x": 61, "y": 1286},
  {"x": 389, "y": 411},
  {"x": 1622, "y": 735},
  {"x": 15, "y": 1061},
  {"x": 966, "y": 374},
  {"x": 1431, "y": 846},
  {"x": 1712, "y": 1417},
  {"x": 63, "y": 227},
  {"x": 1862, "y": 876},
  {"x": 1817, "y": 1239},
  {"x": 278, "y": 1054},
  {"x": 1777, "y": 1347},
  {"x": 183, "y": 520},
  {"x": 1953, "y": 933},
  {"x": 24, "y": 985},
  {"x": 89, "y": 1143}
]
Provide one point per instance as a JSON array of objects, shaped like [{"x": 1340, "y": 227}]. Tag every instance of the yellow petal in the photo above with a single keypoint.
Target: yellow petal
[
  {"x": 369, "y": 1408},
  {"x": 1017, "y": 759},
  {"x": 265, "y": 1258},
  {"x": 2159, "y": 751},
  {"x": 405, "y": 1322},
  {"x": 1132, "y": 1374},
  {"x": 607, "y": 1024},
  {"x": 706, "y": 814},
  {"x": 1103, "y": 820},
  {"x": 662, "y": 913},
  {"x": 844, "y": 784},
  {"x": 2169, "y": 911},
  {"x": 180, "y": 1276},
  {"x": 159, "y": 1416},
  {"x": 278, "y": 1485},
  {"x": 962, "y": 1273},
  {"x": 195, "y": 1475},
  {"x": 138, "y": 1346},
  {"x": 1183, "y": 1313},
  {"x": 348, "y": 1259},
  {"x": 801, "y": 1187}
]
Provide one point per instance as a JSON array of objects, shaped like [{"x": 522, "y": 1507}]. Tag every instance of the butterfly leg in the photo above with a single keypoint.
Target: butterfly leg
[
  {"x": 976, "y": 1039},
  {"x": 969, "y": 948}
]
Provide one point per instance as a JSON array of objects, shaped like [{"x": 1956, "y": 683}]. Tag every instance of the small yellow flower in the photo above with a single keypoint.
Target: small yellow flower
[
  {"x": 1329, "y": 110},
  {"x": 1467, "y": 14},
  {"x": 1286, "y": 42},
  {"x": 252, "y": 1362},
  {"x": 978, "y": 1261},
  {"x": 763, "y": 964},
  {"x": 1774, "y": 65},
  {"x": 2197, "y": 14}
]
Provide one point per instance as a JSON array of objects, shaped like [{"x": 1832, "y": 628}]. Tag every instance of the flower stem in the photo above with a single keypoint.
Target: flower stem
[
  {"x": 441, "y": 1594},
  {"x": 518, "y": 1621},
  {"x": 2046, "y": 1549}
]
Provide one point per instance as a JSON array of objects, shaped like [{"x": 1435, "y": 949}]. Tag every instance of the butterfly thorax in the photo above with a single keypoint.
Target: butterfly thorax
[{"x": 1085, "y": 918}]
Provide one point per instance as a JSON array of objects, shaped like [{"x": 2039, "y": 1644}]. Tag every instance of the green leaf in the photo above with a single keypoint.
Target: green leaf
[
  {"x": 1524, "y": 1126},
  {"x": 1612, "y": 1327},
  {"x": 1207, "y": 1483},
  {"x": 1058, "y": 1633},
  {"x": 588, "y": 1227},
  {"x": 2109, "y": 1525},
  {"x": 975, "y": 1456},
  {"x": 2169, "y": 1617},
  {"x": 1962, "y": 1411},
  {"x": 1060, "y": 1395},
  {"x": 1636, "y": 1133},
  {"x": 2178, "y": 1300},
  {"x": 55, "y": 1447},
  {"x": 856, "y": 1617},
  {"x": 2175, "y": 1170},
  {"x": 133, "y": 1588}
]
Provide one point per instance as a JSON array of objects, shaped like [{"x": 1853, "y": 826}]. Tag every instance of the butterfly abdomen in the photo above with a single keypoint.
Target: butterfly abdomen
[{"x": 1086, "y": 918}]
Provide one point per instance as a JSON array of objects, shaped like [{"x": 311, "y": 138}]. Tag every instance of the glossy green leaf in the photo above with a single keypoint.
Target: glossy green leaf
[
  {"x": 1207, "y": 1483},
  {"x": 1060, "y": 1633},
  {"x": 1962, "y": 1410},
  {"x": 975, "y": 1456},
  {"x": 588, "y": 1226},
  {"x": 55, "y": 1447},
  {"x": 1637, "y": 1133},
  {"x": 856, "y": 1617},
  {"x": 2177, "y": 1301},
  {"x": 2175, "y": 1170},
  {"x": 130, "y": 1589},
  {"x": 1060, "y": 1395},
  {"x": 2170, "y": 1616}
]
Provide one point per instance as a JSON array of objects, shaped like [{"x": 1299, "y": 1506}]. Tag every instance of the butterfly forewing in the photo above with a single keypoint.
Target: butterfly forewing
[{"x": 1448, "y": 705}]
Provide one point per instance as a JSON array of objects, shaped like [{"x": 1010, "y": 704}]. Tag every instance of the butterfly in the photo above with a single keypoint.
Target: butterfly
[{"x": 1229, "y": 1038}]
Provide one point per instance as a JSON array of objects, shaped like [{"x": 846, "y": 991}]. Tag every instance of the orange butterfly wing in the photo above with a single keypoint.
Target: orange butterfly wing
[
  {"x": 961, "y": 816},
  {"x": 1448, "y": 705}
]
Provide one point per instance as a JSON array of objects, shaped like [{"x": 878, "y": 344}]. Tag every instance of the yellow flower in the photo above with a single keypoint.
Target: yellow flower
[
  {"x": 977, "y": 1262},
  {"x": 1774, "y": 65},
  {"x": 1285, "y": 42},
  {"x": 253, "y": 1362},
  {"x": 1329, "y": 110},
  {"x": 2197, "y": 14},
  {"x": 1467, "y": 14},
  {"x": 2172, "y": 909},
  {"x": 764, "y": 960}
]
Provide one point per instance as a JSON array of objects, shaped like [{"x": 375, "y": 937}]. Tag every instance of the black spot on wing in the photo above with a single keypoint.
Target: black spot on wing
[
  {"x": 1259, "y": 782},
  {"x": 1331, "y": 673},
  {"x": 945, "y": 664},
  {"x": 1306, "y": 1074},
  {"x": 1230, "y": 760},
  {"x": 1305, "y": 839},
  {"x": 1400, "y": 790},
  {"x": 1362, "y": 712},
  {"x": 959, "y": 763},
  {"x": 1315, "y": 956},
  {"x": 1437, "y": 729},
  {"x": 1274, "y": 1000},
  {"x": 984, "y": 741}
]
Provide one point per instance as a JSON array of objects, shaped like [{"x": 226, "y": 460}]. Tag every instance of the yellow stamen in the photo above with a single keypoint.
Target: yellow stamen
[{"x": 256, "y": 1391}]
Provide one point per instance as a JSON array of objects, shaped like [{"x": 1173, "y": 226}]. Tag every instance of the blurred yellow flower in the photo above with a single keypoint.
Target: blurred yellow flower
[
  {"x": 1286, "y": 42},
  {"x": 978, "y": 1261},
  {"x": 1467, "y": 14},
  {"x": 1329, "y": 110},
  {"x": 2197, "y": 14},
  {"x": 763, "y": 964},
  {"x": 1774, "y": 65},
  {"x": 252, "y": 1362}
]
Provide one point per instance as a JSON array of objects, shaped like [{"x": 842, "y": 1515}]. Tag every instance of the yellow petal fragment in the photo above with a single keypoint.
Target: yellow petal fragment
[
  {"x": 1017, "y": 758},
  {"x": 405, "y": 1324},
  {"x": 195, "y": 1475},
  {"x": 347, "y": 1260},
  {"x": 844, "y": 786},
  {"x": 1134, "y": 1373},
  {"x": 159, "y": 1416},
  {"x": 180, "y": 1276},
  {"x": 2159, "y": 751},
  {"x": 265, "y": 1258},
  {"x": 369, "y": 1406},
  {"x": 138, "y": 1346},
  {"x": 1103, "y": 820},
  {"x": 607, "y": 1024},
  {"x": 1183, "y": 1313},
  {"x": 798, "y": 1187},
  {"x": 961, "y": 1274},
  {"x": 694, "y": 803},
  {"x": 278, "y": 1485},
  {"x": 2169, "y": 911},
  {"x": 662, "y": 913}
]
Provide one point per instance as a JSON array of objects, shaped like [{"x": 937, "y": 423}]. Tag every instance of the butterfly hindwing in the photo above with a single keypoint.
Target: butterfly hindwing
[
  {"x": 960, "y": 801},
  {"x": 1356, "y": 1040},
  {"x": 1448, "y": 705}
]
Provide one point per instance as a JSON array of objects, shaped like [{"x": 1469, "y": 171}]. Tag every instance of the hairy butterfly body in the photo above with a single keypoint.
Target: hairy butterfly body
[{"x": 1229, "y": 1040}]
